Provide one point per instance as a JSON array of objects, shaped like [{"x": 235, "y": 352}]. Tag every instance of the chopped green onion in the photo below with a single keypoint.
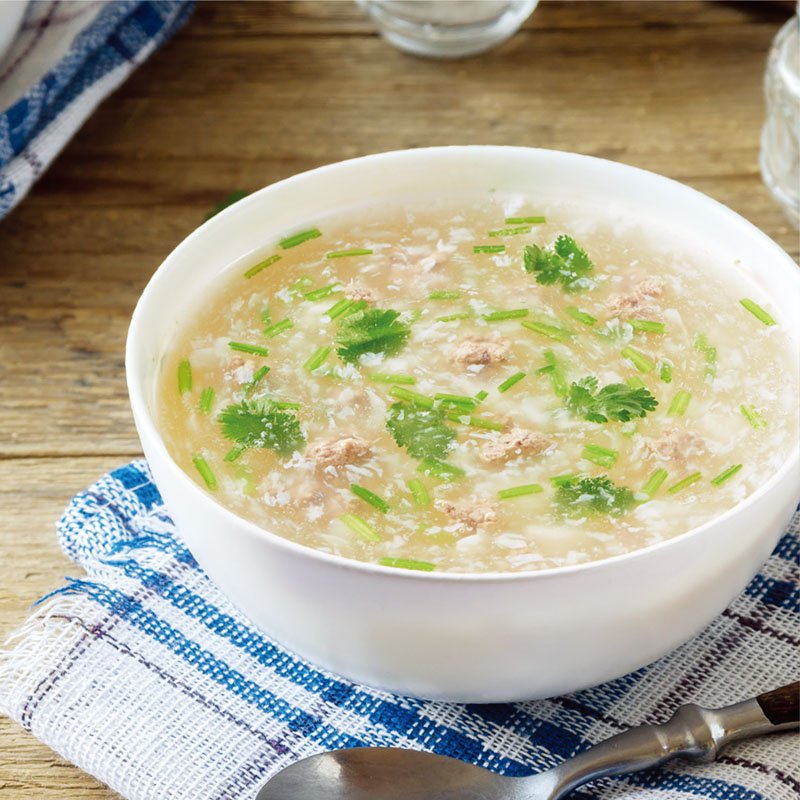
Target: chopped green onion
[
  {"x": 647, "y": 326},
  {"x": 560, "y": 480},
  {"x": 654, "y": 483},
  {"x": 299, "y": 238},
  {"x": 265, "y": 315},
  {"x": 556, "y": 374},
  {"x": 338, "y": 308},
  {"x": 184, "y": 376},
  {"x": 253, "y": 349},
  {"x": 682, "y": 484},
  {"x": 257, "y": 376},
  {"x": 206, "y": 398},
  {"x": 489, "y": 248},
  {"x": 317, "y": 358},
  {"x": 709, "y": 354},
  {"x": 358, "y": 526},
  {"x": 635, "y": 382},
  {"x": 758, "y": 312},
  {"x": 603, "y": 456},
  {"x": 519, "y": 491},
  {"x": 233, "y": 454},
  {"x": 525, "y": 220},
  {"x": 278, "y": 327},
  {"x": 547, "y": 368},
  {"x": 581, "y": 316},
  {"x": 666, "y": 372},
  {"x": 443, "y": 295},
  {"x": 407, "y": 563},
  {"x": 509, "y": 382},
  {"x": 511, "y": 231},
  {"x": 640, "y": 360},
  {"x": 456, "y": 400},
  {"x": 551, "y": 331},
  {"x": 325, "y": 291},
  {"x": 353, "y": 308},
  {"x": 205, "y": 472},
  {"x": 279, "y": 404},
  {"x": 753, "y": 416},
  {"x": 383, "y": 377},
  {"x": 452, "y": 317},
  {"x": 300, "y": 285},
  {"x": 725, "y": 474},
  {"x": 344, "y": 253},
  {"x": 481, "y": 395},
  {"x": 419, "y": 492},
  {"x": 679, "y": 403},
  {"x": 497, "y": 316},
  {"x": 447, "y": 472},
  {"x": 370, "y": 497},
  {"x": 267, "y": 262},
  {"x": 411, "y": 397},
  {"x": 474, "y": 422}
]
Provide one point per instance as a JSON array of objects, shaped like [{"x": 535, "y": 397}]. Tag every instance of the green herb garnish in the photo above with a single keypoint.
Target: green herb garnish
[
  {"x": 447, "y": 472},
  {"x": 324, "y": 291},
  {"x": 709, "y": 354},
  {"x": 753, "y": 416},
  {"x": 407, "y": 563},
  {"x": 615, "y": 401},
  {"x": 259, "y": 423},
  {"x": 640, "y": 360},
  {"x": 457, "y": 400},
  {"x": 498, "y": 316},
  {"x": 206, "y": 398},
  {"x": 519, "y": 491},
  {"x": 317, "y": 358},
  {"x": 453, "y": 317},
  {"x": 679, "y": 403},
  {"x": 666, "y": 372},
  {"x": 383, "y": 377},
  {"x": 278, "y": 327},
  {"x": 580, "y": 497},
  {"x": 489, "y": 248},
  {"x": 253, "y": 349},
  {"x": 370, "y": 497},
  {"x": 525, "y": 220},
  {"x": 184, "y": 376},
  {"x": 358, "y": 526},
  {"x": 647, "y": 326},
  {"x": 419, "y": 492},
  {"x": 475, "y": 422},
  {"x": 511, "y": 231},
  {"x": 682, "y": 484},
  {"x": 299, "y": 238},
  {"x": 550, "y": 331},
  {"x": 597, "y": 454},
  {"x": 556, "y": 373},
  {"x": 444, "y": 295},
  {"x": 726, "y": 474},
  {"x": 205, "y": 472},
  {"x": 654, "y": 483},
  {"x": 412, "y": 397},
  {"x": 563, "y": 262},
  {"x": 232, "y": 454},
  {"x": 509, "y": 382},
  {"x": 267, "y": 262},
  {"x": 635, "y": 382},
  {"x": 561, "y": 480},
  {"x": 345, "y": 253},
  {"x": 338, "y": 308},
  {"x": 257, "y": 376},
  {"x": 581, "y": 316},
  {"x": 423, "y": 432},
  {"x": 758, "y": 312},
  {"x": 370, "y": 331},
  {"x": 481, "y": 395}
]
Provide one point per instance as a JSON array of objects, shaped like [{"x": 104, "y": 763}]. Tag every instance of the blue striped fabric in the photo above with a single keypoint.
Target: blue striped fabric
[
  {"x": 118, "y": 39},
  {"x": 146, "y": 603}
]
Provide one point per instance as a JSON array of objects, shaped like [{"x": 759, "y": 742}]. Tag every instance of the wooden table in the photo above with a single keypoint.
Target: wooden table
[{"x": 250, "y": 93}]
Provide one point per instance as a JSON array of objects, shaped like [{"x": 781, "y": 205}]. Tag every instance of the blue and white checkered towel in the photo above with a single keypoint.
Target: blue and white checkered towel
[
  {"x": 67, "y": 58},
  {"x": 144, "y": 675}
]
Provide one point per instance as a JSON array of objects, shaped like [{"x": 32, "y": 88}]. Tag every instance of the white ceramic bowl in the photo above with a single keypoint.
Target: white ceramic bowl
[{"x": 478, "y": 638}]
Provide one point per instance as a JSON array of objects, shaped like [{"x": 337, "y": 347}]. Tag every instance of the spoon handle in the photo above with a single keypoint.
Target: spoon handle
[{"x": 693, "y": 732}]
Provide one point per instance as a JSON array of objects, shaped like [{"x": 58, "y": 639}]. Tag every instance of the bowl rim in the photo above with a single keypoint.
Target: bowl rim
[{"x": 143, "y": 418}]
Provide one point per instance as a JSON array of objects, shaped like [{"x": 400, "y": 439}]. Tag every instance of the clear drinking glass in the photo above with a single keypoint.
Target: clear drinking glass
[
  {"x": 447, "y": 28},
  {"x": 780, "y": 137}
]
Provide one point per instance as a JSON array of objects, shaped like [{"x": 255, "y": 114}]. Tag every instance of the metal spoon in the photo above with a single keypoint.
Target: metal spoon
[{"x": 384, "y": 773}]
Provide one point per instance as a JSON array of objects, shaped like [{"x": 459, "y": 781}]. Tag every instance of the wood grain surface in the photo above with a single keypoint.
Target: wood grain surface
[{"x": 249, "y": 93}]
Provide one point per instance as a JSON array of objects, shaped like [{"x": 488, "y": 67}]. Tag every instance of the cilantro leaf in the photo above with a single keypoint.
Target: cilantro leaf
[
  {"x": 616, "y": 401},
  {"x": 372, "y": 330},
  {"x": 421, "y": 431},
  {"x": 563, "y": 262},
  {"x": 261, "y": 423},
  {"x": 581, "y": 497}
]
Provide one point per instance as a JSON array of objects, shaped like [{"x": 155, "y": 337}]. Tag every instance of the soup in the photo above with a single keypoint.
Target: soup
[{"x": 480, "y": 384}]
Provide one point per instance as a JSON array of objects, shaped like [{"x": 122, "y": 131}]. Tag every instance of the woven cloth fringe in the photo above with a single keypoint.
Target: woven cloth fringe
[
  {"x": 66, "y": 59},
  {"x": 142, "y": 674}
]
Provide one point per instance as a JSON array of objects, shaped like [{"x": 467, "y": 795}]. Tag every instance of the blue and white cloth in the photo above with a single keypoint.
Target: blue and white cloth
[
  {"x": 66, "y": 59},
  {"x": 143, "y": 674}
]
